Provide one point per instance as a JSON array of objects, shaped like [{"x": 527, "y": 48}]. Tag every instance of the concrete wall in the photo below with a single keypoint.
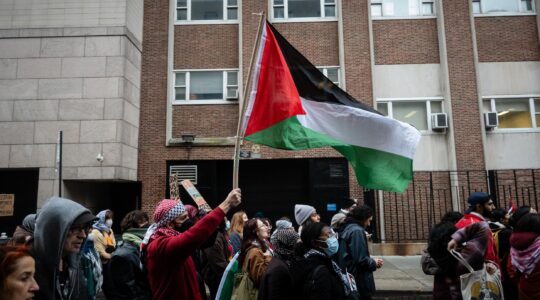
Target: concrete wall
[
  {"x": 72, "y": 66},
  {"x": 510, "y": 78},
  {"x": 407, "y": 81},
  {"x": 513, "y": 150}
]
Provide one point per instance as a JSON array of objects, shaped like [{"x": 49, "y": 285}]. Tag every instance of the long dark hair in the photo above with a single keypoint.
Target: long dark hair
[
  {"x": 133, "y": 219},
  {"x": 530, "y": 222},
  {"x": 250, "y": 236}
]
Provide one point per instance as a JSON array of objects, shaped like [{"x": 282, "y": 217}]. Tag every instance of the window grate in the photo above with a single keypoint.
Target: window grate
[{"x": 184, "y": 172}]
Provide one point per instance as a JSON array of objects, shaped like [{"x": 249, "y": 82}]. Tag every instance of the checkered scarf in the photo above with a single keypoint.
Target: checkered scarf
[
  {"x": 526, "y": 260},
  {"x": 166, "y": 211}
]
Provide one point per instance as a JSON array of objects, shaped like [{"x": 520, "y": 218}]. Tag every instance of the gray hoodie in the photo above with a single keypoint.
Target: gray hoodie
[{"x": 52, "y": 226}]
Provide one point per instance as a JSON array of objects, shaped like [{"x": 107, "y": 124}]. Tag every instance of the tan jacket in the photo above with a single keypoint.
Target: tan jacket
[
  {"x": 100, "y": 244},
  {"x": 255, "y": 264}
]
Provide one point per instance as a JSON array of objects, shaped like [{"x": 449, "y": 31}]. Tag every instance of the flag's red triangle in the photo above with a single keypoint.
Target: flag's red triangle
[{"x": 277, "y": 98}]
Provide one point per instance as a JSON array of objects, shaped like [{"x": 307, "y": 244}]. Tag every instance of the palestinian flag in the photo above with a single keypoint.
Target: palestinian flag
[
  {"x": 293, "y": 106},
  {"x": 226, "y": 285}
]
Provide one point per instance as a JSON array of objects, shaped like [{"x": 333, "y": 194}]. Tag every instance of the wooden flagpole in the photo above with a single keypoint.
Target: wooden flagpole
[{"x": 238, "y": 138}]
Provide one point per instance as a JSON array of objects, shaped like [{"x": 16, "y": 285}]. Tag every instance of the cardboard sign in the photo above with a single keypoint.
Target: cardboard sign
[
  {"x": 6, "y": 205},
  {"x": 195, "y": 195}
]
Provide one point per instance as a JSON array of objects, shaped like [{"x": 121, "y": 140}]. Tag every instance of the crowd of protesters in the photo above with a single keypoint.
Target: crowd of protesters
[{"x": 66, "y": 252}]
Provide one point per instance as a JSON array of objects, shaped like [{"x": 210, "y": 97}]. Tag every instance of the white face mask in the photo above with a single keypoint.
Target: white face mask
[
  {"x": 227, "y": 225},
  {"x": 108, "y": 223},
  {"x": 90, "y": 237}
]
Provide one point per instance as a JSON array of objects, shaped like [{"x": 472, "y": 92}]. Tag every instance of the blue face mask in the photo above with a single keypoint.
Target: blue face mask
[{"x": 332, "y": 246}]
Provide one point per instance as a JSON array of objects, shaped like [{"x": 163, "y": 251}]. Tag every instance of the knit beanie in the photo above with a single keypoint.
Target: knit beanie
[{"x": 302, "y": 212}]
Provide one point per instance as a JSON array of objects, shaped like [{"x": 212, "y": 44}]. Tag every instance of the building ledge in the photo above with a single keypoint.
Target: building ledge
[{"x": 202, "y": 142}]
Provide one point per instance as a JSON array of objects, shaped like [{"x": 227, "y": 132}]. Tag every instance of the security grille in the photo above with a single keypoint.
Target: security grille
[{"x": 184, "y": 172}]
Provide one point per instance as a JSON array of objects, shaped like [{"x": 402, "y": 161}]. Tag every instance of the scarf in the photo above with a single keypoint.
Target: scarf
[
  {"x": 99, "y": 224},
  {"x": 167, "y": 211},
  {"x": 134, "y": 236},
  {"x": 335, "y": 267},
  {"x": 525, "y": 260}
]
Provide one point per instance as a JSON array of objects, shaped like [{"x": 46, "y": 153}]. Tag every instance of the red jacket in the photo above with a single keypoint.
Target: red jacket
[
  {"x": 171, "y": 271},
  {"x": 472, "y": 218}
]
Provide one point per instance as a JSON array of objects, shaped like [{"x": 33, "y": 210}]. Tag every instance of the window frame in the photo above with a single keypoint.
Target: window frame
[
  {"x": 427, "y": 100},
  {"x": 419, "y": 16},
  {"x": 324, "y": 70},
  {"x": 188, "y": 21},
  {"x": 533, "y": 111},
  {"x": 225, "y": 87},
  {"x": 286, "y": 18},
  {"x": 505, "y": 13}
]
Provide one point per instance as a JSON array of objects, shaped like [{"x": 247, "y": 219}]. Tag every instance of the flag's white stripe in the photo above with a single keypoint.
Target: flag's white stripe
[
  {"x": 254, "y": 82},
  {"x": 359, "y": 127}
]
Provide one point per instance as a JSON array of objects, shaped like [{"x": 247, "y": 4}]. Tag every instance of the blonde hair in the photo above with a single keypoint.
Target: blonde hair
[{"x": 237, "y": 223}]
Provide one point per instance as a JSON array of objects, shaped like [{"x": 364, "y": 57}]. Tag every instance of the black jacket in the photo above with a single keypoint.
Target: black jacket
[
  {"x": 276, "y": 284},
  {"x": 312, "y": 284},
  {"x": 126, "y": 279}
]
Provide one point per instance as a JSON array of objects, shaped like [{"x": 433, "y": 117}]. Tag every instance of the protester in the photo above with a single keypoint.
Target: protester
[
  {"x": 501, "y": 241},
  {"x": 276, "y": 283},
  {"x": 305, "y": 214},
  {"x": 354, "y": 253},
  {"x": 217, "y": 256},
  {"x": 61, "y": 228},
  {"x": 283, "y": 223},
  {"x": 236, "y": 230},
  {"x": 92, "y": 268},
  {"x": 520, "y": 212},
  {"x": 443, "y": 265},
  {"x": 24, "y": 232},
  {"x": 126, "y": 278},
  {"x": 347, "y": 204},
  {"x": 472, "y": 242},
  {"x": 171, "y": 271},
  {"x": 315, "y": 276},
  {"x": 525, "y": 256},
  {"x": 255, "y": 254},
  {"x": 480, "y": 209},
  {"x": 103, "y": 235},
  {"x": 17, "y": 268}
]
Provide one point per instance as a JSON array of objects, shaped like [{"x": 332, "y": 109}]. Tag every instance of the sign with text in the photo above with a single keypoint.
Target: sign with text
[{"x": 6, "y": 205}]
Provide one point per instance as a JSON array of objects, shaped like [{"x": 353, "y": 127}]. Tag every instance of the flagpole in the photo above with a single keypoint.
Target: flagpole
[{"x": 238, "y": 138}]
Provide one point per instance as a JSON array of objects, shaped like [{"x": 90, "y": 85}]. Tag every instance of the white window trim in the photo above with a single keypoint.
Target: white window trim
[
  {"x": 420, "y": 2},
  {"x": 206, "y": 22},
  {"x": 429, "y": 130},
  {"x": 501, "y": 14},
  {"x": 532, "y": 113},
  {"x": 286, "y": 19},
  {"x": 202, "y": 102}
]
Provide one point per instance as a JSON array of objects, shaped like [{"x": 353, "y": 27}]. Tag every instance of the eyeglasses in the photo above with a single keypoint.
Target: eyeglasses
[{"x": 77, "y": 229}]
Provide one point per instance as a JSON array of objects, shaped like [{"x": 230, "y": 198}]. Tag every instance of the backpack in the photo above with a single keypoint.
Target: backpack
[{"x": 495, "y": 235}]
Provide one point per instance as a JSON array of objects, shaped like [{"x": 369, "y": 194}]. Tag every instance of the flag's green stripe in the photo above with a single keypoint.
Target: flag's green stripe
[{"x": 374, "y": 169}]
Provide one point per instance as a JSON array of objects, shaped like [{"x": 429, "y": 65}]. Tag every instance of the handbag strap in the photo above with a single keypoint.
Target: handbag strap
[{"x": 461, "y": 259}]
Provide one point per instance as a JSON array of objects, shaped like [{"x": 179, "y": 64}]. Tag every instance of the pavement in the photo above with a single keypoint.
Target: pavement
[{"x": 402, "y": 275}]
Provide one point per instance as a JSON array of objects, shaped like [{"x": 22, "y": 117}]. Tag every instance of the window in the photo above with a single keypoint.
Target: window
[
  {"x": 206, "y": 86},
  {"x": 332, "y": 73},
  {"x": 206, "y": 10},
  {"x": 298, "y": 9},
  {"x": 502, "y": 6},
  {"x": 402, "y": 8},
  {"x": 515, "y": 112},
  {"x": 415, "y": 112}
]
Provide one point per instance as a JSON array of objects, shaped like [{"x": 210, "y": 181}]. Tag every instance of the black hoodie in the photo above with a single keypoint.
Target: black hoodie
[{"x": 311, "y": 284}]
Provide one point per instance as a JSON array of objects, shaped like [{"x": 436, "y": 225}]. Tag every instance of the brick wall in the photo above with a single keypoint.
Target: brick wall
[
  {"x": 205, "y": 120},
  {"x": 463, "y": 87},
  {"x": 507, "y": 39},
  {"x": 405, "y": 42}
]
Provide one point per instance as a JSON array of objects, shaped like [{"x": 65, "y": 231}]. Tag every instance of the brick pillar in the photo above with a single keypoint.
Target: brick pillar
[{"x": 467, "y": 124}]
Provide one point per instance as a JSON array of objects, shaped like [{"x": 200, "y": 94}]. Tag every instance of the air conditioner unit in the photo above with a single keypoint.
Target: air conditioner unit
[
  {"x": 439, "y": 121},
  {"x": 491, "y": 119},
  {"x": 234, "y": 97}
]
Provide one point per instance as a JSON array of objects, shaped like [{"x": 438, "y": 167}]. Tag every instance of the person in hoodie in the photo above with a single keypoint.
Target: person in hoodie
[
  {"x": 61, "y": 229},
  {"x": 217, "y": 257},
  {"x": 525, "y": 256},
  {"x": 354, "y": 253},
  {"x": 315, "y": 275},
  {"x": 171, "y": 271},
  {"x": 126, "y": 278},
  {"x": 103, "y": 235},
  {"x": 24, "y": 232},
  {"x": 305, "y": 214}
]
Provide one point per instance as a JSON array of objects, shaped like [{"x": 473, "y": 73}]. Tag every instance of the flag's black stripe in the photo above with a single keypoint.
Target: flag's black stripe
[{"x": 310, "y": 82}]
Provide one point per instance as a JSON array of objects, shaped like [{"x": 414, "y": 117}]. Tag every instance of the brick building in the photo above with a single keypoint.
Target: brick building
[{"x": 411, "y": 59}]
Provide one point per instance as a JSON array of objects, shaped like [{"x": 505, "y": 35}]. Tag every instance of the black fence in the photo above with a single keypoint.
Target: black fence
[{"x": 408, "y": 217}]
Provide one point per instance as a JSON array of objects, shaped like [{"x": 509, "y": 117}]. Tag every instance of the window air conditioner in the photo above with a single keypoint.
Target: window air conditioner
[
  {"x": 491, "y": 119},
  {"x": 233, "y": 97},
  {"x": 439, "y": 121}
]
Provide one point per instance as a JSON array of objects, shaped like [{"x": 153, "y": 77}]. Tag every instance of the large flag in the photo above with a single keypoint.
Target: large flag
[{"x": 292, "y": 105}]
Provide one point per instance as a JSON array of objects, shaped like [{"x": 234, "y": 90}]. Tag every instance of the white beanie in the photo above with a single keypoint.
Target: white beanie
[{"x": 302, "y": 212}]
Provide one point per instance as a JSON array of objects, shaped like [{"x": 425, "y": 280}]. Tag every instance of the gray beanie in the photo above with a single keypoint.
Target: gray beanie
[{"x": 302, "y": 212}]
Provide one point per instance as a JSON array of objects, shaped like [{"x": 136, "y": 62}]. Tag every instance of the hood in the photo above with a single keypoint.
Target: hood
[
  {"x": 522, "y": 240},
  {"x": 52, "y": 226},
  {"x": 99, "y": 224}
]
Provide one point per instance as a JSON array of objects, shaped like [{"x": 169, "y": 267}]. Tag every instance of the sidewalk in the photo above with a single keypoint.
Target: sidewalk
[{"x": 402, "y": 274}]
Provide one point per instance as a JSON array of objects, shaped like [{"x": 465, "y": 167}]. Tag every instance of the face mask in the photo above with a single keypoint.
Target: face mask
[
  {"x": 90, "y": 237},
  {"x": 185, "y": 226},
  {"x": 332, "y": 246},
  {"x": 108, "y": 223},
  {"x": 227, "y": 225}
]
